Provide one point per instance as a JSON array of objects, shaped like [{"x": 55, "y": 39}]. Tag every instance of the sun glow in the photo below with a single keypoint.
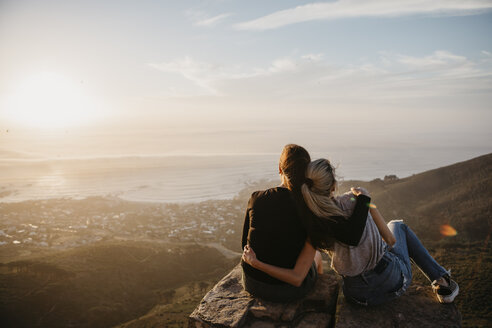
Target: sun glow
[{"x": 50, "y": 100}]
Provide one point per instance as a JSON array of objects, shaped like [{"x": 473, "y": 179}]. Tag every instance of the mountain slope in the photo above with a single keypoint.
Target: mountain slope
[
  {"x": 100, "y": 285},
  {"x": 459, "y": 195}
]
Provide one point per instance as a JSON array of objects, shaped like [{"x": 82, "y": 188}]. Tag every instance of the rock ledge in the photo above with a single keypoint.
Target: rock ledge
[{"x": 228, "y": 305}]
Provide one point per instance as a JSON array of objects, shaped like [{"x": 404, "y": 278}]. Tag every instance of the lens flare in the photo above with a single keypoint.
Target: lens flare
[
  {"x": 371, "y": 205},
  {"x": 352, "y": 199},
  {"x": 448, "y": 231}
]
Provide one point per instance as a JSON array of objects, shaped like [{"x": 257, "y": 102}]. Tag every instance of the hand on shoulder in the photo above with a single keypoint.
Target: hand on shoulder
[{"x": 359, "y": 191}]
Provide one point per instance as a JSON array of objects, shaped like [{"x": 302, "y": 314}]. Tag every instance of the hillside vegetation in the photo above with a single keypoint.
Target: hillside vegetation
[{"x": 101, "y": 285}]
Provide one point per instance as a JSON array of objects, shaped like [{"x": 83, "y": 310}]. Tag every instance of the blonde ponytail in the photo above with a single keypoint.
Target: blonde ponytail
[{"x": 317, "y": 193}]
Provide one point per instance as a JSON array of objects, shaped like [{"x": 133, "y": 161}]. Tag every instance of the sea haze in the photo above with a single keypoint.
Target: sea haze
[{"x": 192, "y": 178}]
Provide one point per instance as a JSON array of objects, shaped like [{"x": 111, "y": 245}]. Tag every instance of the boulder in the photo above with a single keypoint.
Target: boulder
[{"x": 228, "y": 305}]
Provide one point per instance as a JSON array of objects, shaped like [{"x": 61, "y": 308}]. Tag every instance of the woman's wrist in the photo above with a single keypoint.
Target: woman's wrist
[{"x": 255, "y": 263}]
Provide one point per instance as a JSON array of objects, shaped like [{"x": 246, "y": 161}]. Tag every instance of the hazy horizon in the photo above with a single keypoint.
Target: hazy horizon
[{"x": 192, "y": 100}]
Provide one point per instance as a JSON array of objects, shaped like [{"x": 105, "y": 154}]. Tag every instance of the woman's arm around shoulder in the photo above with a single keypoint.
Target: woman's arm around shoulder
[
  {"x": 385, "y": 232},
  {"x": 350, "y": 231}
]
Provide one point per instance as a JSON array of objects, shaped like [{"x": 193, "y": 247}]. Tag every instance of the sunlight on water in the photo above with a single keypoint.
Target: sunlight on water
[{"x": 51, "y": 181}]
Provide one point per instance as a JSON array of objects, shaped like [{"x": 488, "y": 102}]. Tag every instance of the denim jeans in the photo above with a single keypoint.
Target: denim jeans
[{"x": 372, "y": 288}]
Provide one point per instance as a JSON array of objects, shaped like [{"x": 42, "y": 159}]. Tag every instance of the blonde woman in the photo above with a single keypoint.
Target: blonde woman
[{"x": 376, "y": 269}]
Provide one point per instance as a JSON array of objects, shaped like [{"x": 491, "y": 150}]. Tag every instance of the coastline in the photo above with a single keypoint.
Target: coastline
[{"x": 179, "y": 179}]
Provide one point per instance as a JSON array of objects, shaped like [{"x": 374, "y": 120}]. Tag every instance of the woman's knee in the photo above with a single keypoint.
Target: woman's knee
[{"x": 396, "y": 223}]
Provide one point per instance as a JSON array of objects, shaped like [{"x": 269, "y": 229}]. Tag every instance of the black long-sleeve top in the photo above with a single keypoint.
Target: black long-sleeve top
[{"x": 273, "y": 229}]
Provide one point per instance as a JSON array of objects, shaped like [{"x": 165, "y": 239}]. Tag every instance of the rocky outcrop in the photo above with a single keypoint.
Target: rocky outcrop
[{"x": 228, "y": 305}]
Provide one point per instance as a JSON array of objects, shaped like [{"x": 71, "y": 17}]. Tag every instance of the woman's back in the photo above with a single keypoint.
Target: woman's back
[{"x": 273, "y": 229}]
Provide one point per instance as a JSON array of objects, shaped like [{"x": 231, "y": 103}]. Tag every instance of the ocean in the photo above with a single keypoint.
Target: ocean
[{"x": 194, "y": 178}]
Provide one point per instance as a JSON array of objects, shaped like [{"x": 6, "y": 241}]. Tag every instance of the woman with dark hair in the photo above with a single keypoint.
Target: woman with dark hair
[
  {"x": 374, "y": 271},
  {"x": 277, "y": 224}
]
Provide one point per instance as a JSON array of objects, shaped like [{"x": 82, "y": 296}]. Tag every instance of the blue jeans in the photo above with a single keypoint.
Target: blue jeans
[{"x": 372, "y": 288}]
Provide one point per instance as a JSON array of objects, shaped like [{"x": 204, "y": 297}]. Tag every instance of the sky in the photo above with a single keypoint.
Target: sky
[{"x": 218, "y": 76}]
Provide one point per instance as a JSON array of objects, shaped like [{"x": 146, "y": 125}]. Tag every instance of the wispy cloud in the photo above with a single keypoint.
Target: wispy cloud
[
  {"x": 212, "y": 20},
  {"x": 392, "y": 76},
  {"x": 210, "y": 76},
  {"x": 200, "y": 18},
  {"x": 313, "y": 57},
  {"x": 438, "y": 59},
  {"x": 200, "y": 73},
  {"x": 364, "y": 8}
]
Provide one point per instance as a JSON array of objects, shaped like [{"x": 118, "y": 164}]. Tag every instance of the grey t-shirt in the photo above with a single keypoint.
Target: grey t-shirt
[{"x": 353, "y": 260}]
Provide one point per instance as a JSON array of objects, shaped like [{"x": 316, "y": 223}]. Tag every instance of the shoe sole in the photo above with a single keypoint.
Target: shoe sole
[{"x": 449, "y": 298}]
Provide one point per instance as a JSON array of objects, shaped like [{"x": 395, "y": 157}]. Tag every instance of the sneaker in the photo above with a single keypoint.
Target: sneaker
[{"x": 446, "y": 294}]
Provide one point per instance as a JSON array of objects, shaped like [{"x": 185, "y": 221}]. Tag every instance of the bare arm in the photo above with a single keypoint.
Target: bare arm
[
  {"x": 385, "y": 232},
  {"x": 293, "y": 276}
]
